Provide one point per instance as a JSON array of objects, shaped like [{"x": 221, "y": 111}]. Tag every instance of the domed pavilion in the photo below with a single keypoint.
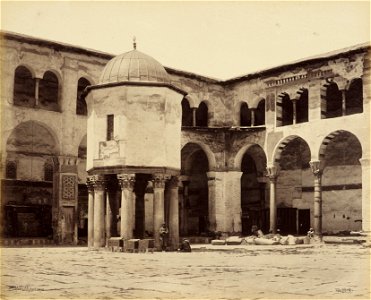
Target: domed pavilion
[{"x": 134, "y": 143}]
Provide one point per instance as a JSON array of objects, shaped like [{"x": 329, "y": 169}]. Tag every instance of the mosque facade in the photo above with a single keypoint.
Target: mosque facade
[{"x": 96, "y": 146}]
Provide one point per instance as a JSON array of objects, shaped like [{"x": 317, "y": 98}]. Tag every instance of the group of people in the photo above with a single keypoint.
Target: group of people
[{"x": 185, "y": 245}]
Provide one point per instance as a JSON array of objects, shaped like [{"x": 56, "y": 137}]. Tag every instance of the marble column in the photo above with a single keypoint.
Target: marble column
[
  {"x": 99, "y": 197},
  {"x": 109, "y": 216},
  {"x": 194, "y": 110},
  {"x": 184, "y": 205},
  {"x": 127, "y": 184},
  {"x": 253, "y": 116},
  {"x": 90, "y": 212},
  {"x": 37, "y": 84},
  {"x": 158, "y": 206},
  {"x": 294, "y": 111},
  {"x": 211, "y": 177},
  {"x": 366, "y": 222},
  {"x": 317, "y": 172},
  {"x": 272, "y": 175},
  {"x": 173, "y": 213},
  {"x": 343, "y": 103}
]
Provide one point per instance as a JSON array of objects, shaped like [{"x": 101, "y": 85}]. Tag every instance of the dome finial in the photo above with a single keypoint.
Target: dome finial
[{"x": 134, "y": 42}]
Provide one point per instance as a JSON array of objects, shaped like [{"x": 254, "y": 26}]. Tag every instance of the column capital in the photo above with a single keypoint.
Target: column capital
[
  {"x": 98, "y": 182},
  {"x": 173, "y": 182},
  {"x": 66, "y": 160},
  {"x": 183, "y": 178},
  {"x": 365, "y": 162},
  {"x": 211, "y": 175},
  {"x": 159, "y": 180},
  {"x": 316, "y": 167},
  {"x": 90, "y": 184},
  {"x": 272, "y": 172},
  {"x": 126, "y": 181}
]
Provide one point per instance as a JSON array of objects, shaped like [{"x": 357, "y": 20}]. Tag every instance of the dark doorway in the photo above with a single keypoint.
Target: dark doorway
[
  {"x": 286, "y": 220},
  {"x": 304, "y": 221}
]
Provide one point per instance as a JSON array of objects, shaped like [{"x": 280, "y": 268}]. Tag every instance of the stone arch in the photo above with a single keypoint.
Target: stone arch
[
  {"x": 209, "y": 154},
  {"x": 246, "y": 149},
  {"x": 24, "y": 87},
  {"x": 331, "y": 100},
  {"x": 194, "y": 164},
  {"x": 244, "y": 114},
  {"x": 81, "y": 107},
  {"x": 202, "y": 114},
  {"x": 342, "y": 190},
  {"x": 284, "y": 110},
  {"x": 260, "y": 112},
  {"x": 50, "y": 91},
  {"x": 302, "y": 105},
  {"x": 277, "y": 152},
  {"x": 187, "y": 115},
  {"x": 253, "y": 186},
  {"x": 191, "y": 100},
  {"x": 354, "y": 97},
  {"x": 33, "y": 137},
  {"x": 333, "y": 135}
]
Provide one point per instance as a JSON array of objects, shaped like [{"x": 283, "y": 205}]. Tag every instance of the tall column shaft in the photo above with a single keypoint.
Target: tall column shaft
[
  {"x": 194, "y": 110},
  {"x": 158, "y": 207},
  {"x": 272, "y": 174},
  {"x": 108, "y": 217},
  {"x": 253, "y": 116},
  {"x": 317, "y": 222},
  {"x": 294, "y": 112},
  {"x": 37, "y": 84},
  {"x": 343, "y": 103},
  {"x": 173, "y": 214},
  {"x": 212, "y": 200},
  {"x": 127, "y": 183},
  {"x": 99, "y": 201},
  {"x": 90, "y": 213}
]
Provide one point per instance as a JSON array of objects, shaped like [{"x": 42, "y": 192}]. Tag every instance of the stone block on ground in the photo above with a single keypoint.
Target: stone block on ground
[
  {"x": 131, "y": 245},
  {"x": 115, "y": 244},
  {"x": 146, "y": 245},
  {"x": 218, "y": 242},
  {"x": 233, "y": 240}
]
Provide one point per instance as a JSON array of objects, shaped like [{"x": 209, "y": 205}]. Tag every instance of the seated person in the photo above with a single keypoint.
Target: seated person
[{"x": 185, "y": 246}]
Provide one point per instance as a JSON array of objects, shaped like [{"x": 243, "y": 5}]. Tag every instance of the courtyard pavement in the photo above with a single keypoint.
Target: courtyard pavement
[{"x": 251, "y": 272}]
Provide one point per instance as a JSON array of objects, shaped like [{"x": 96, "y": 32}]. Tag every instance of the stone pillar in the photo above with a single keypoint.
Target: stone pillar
[
  {"x": 217, "y": 202},
  {"x": 90, "y": 212},
  {"x": 158, "y": 206},
  {"x": 141, "y": 182},
  {"x": 127, "y": 184},
  {"x": 294, "y": 113},
  {"x": 272, "y": 174},
  {"x": 173, "y": 213},
  {"x": 194, "y": 110},
  {"x": 233, "y": 201},
  {"x": 37, "y": 84},
  {"x": 317, "y": 171},
  {"x": 99, "y": 201},
  {"x": 184, "y": 200},
  {"x": 65, "y": 200},
  {"x": 253, "y": 116},
  {"x": 366, "y": 222},
  {"x": 109, "y": 216},
  {"x": 343, "y": 102}
]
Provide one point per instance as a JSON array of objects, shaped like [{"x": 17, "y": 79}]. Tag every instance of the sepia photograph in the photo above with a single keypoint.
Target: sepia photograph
[{"x": 185, "y": 150}]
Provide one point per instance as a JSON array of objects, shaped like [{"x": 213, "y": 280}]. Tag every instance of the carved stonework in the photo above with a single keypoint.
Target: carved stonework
[
  {"x": 98, "y": 182},
  {"x": 173, "y": 182},
  {"x": 126, "y": 181},
  {"x": 272, "y": 172},
  {"x": 316, "y": 167},
  {"x": 90, "y": 184},
  {"x": 159, "y": 180},
  {"x": 68, "y": 187}
]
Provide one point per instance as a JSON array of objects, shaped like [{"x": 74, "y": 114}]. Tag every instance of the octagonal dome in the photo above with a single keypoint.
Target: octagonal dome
[{"x": 134, "y": 66}]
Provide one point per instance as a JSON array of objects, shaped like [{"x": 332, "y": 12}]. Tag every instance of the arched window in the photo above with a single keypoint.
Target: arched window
[
  {"x": 287, "y": 110},
  {"x": 11, "y": 170},
  {"x": 260, "y": 113},
  {"x": 49, "y": 92},
  {"x": 81, "y": 108},
  {"x": 354, "y": 97},
  {"x": 24, "y": 87},
  {"x": 245, "y": 115},
  {"x": 48, "y": 172},
  {"x": 333, "y": 101},
  {"x": 186, "y": 113},
  {"x": 302, "y": 107},
  {"x": 202, "y": 115}
]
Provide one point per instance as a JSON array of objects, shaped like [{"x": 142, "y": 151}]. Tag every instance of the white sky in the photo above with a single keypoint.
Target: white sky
[{"x": 217, "y": 39}]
